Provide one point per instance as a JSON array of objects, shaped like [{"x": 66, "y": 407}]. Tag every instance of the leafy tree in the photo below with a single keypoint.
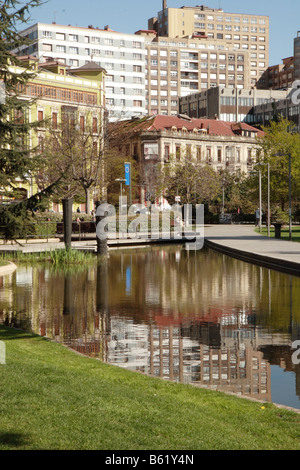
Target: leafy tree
[
  {"x": 195, "y": 183},
  {"x": 238, "y": 195},
  {"x": 280, "y": 140},
  {"x": 74, "y": 150}
]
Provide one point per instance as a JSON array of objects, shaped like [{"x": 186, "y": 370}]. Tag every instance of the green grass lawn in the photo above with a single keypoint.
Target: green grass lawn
[
  {"x": 285, "y": 233},
  {"x": 53, "y": 398}
]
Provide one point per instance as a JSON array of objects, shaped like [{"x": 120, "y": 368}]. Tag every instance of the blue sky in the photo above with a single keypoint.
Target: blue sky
[{"x": 128, "y": 16}]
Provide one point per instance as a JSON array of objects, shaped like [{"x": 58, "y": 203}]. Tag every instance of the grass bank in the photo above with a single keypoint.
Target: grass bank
[
  {"x": 3, "y": 263},
  {"x": 56, "y": 257},
  {"x": 52, "y": 398},
  {"x": 285, "y": 233}
]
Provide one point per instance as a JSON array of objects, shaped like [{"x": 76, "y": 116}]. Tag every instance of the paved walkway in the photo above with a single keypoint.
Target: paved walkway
[
  {"x": 240, "y": 241},
  {"x": 243, "y": 242}
]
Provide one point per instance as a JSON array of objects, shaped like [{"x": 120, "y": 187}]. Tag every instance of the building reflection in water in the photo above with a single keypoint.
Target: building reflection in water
[{"x": 200, "y": 318}]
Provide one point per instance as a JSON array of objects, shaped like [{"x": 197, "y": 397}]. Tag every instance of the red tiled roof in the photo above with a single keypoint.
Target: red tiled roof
[{"x": 213, "y": 126}]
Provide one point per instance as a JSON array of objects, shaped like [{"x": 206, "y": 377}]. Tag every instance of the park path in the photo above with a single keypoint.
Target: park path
[
  {"x": 243, "y": 242},
  {"x": 240, "y": 241}
]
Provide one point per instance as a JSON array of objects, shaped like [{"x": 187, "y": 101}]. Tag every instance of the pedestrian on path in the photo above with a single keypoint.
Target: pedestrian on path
[{"x": 257, "y": 217}]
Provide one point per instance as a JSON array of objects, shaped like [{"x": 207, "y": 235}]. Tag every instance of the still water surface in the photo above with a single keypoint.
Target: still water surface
[{"x": 193, "y": 317}]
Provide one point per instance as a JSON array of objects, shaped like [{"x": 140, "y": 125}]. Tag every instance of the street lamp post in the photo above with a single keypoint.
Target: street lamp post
[
  {"x": 260, "y": 197},
  {"x": 269, "y": 205},
  {"x": 121, "y": 181},
  {"x": 290, "y": 196},
  {"x": 260, "y": 202},
  {"x": 290, "y": 191}
]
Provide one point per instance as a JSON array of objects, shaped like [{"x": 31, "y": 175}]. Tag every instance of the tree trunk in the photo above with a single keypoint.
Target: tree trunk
[{"x": 87, "y": 200}]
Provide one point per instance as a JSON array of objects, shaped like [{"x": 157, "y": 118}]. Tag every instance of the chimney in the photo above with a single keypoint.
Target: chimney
[{"x": 164, "y": 4}]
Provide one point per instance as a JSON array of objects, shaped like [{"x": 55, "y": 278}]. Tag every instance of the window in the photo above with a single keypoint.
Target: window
[
  {"x": 82, "y": 123},
  {"x": 108, "y": 42},
  {"x": 60, "y": 36},
  {"x": 73, "y": 37},
  {"x": 137, "y": 45},
  {"x": 47, "y": 47},
  {"x": 60, "y": 48},
  {"x": 95, "y": 125},
  {"x": 199, "y": 153},
  {"x": 137, "y": 103},
  {"x": 40, "y": 115},
  {"x": 54, "y": 120},
  {"x": 167, "y": 152}
]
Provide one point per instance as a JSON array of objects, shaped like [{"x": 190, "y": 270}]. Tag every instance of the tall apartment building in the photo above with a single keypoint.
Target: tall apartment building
[
  {"x": 121, "y": 55},
  {"x": 297, "y": 57},
  {"x": 177, "y": 67},
  {"x": 241, "y": 32},
  {"x": 280, "y": 76}
]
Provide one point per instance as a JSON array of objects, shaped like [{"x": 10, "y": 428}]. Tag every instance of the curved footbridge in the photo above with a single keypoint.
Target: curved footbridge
[{"x": 244, "y": 243}]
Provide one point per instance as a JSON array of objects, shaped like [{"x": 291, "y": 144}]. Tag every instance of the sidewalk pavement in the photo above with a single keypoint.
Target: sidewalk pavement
[{"x": 241, "y": 241}]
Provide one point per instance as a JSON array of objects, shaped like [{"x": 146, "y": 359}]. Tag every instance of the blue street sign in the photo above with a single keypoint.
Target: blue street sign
[{"x": 127, "y": 174}]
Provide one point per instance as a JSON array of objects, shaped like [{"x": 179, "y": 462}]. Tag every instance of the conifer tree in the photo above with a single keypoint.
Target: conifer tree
[{"x": 17, "y": 159}]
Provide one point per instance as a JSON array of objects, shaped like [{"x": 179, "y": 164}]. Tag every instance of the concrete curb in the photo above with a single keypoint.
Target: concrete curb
[
  {"x": 10, "y": 268},
  {"x": 284, "y": 266}
]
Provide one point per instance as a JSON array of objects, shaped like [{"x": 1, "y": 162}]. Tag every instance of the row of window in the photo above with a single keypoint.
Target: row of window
[
  {"x": 231, "y": 101},
  {"x": 122, "y": 91},
  {"x": 220, "y": 27},
  {"x": 222, "y": 76},
  {"x": 195, "y": 57},
  {"x": 91, "y": 39},
  {"x": 113, "y": 102},
  {"x": 61, "y": 94},
  {"x": 70, "y": 116},
  {"x": 155, "y": 102},
  {"x": 207, "y": 153},
  {"x": 87, "y": 51},
  {"x": 230, "y": 19}
]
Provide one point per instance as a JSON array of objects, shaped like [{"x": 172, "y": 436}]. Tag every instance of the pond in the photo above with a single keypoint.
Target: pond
[{"x": 197, "y": 317}]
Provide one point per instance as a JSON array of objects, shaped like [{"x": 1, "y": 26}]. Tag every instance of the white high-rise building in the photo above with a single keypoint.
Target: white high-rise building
[{"x": 121, "y": 55}]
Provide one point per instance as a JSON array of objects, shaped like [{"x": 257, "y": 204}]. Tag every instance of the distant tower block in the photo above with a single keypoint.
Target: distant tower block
[{"x": 164, "y": 4}]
